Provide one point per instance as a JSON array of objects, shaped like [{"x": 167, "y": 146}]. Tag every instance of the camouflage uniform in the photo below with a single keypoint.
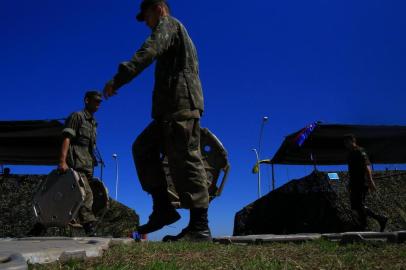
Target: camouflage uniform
[
  {"x": 80, "y": 127},
  {"x": 357, "y": 164},
  {"x": 176, "y": 109}
]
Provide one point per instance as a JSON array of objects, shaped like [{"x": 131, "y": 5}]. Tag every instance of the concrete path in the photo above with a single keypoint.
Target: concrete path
[{"x": 15, "y": 253}]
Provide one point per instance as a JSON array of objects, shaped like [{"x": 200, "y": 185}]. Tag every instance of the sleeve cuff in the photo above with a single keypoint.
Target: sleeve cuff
[{"x": 69, "y": 132}]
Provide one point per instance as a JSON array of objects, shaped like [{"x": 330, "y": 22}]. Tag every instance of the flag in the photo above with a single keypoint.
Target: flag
[{"x": 304, "y": 134}]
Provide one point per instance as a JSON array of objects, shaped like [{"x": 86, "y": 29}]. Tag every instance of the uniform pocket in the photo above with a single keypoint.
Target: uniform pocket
[
  {"x": 84, "y": 135},
  {"x": 82, "y": 158}
]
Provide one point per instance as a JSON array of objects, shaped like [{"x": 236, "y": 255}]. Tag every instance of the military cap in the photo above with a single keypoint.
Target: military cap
[
  {"x": 145, "y": 4},
  {"x": 94, "y": 94}
]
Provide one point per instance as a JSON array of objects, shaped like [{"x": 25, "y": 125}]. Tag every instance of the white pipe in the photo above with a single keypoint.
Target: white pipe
[{"x": 116, "y": 159}]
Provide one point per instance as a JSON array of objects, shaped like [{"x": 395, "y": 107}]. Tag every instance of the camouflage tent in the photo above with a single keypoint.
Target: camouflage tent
[
  {"x": 30, "y": 142},
  {"x": 315, "y": 204},
  {"x": 17, "y": 216}
]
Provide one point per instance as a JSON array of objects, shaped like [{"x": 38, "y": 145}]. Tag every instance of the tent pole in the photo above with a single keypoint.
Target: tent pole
[
  {"x": 273, "y": 177},
  {"x": 101, "y": 172},
  {"x": 314, "y": 161}
]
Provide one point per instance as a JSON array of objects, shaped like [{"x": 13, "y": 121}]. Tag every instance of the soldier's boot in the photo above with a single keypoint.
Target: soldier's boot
[
  {"x": 382, "y": 223},
  {"x": 75, "y": 224},
  {"x": 382, "y": 220},
  {"x": 174, "y": 238},
  {"x": 197, "y": 231},
  {"x": 163, "y": 213}
]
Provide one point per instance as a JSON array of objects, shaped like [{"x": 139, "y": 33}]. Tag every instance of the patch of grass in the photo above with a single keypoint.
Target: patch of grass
[{"x": 319, "y": 254}]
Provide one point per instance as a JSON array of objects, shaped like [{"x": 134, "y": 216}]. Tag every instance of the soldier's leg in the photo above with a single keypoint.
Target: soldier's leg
[
  {"x": 147, "y": 153},
  {"x": 356, "y": 199},
  {"x": 366, "y": 212},
  {"x": 182, "y": 144},
  {"x": 86, "y": 215},
  {"x": 382, "y": 220}
]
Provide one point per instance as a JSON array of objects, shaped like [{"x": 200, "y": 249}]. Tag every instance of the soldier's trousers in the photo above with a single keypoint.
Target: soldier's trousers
[
  {"x": 85, "y": 214},
  {"x": 357, "y": 199},
  {"x": 179, "y": 141}
]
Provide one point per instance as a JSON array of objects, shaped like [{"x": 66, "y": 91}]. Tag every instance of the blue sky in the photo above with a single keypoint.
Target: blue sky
[{"x": 294, "y": 61}]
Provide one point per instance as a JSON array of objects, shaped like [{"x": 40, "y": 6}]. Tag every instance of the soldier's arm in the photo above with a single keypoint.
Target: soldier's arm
[
  {"x": 368, "y": 172},
  {"x": 368, "y": 175},
  {"x": 156, "y": 44},
  {"x": 71, "y": 127},
  {"x": 63, "y": 166}
]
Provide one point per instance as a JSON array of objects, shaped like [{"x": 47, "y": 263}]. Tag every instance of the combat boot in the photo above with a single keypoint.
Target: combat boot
[
  {"x": 382, "y": 220},
  {"x": 163, "y": 213},
  {"x": 174, "y": 238},
  {"x": 75, "y": 224},
  {"x": 197, "y": 231}
]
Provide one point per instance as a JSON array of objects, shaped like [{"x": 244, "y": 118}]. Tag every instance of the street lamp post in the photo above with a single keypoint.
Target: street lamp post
[
  {"x": 264, "y": 120},
  {"x": 115, "y": 157},
  {"x": 259, "y": 172},
  {"x": 258, "y": 153}
]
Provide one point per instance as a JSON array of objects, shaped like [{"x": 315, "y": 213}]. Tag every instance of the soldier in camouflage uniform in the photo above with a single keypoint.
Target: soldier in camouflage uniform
[
  {"x": 175, "y": 129},
  {"x": 79, "y": 141},
  {"x": 360, "y": 182}
]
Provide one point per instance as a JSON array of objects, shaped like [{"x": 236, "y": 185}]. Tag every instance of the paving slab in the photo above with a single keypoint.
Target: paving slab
[
  {"x": 266, "y": 238},
  {"x": 346, "y": 237},
  {"x": 12, "y": 261},
  {"x": 15, "y": 253},
  {"x": 351, "y": 238},
  {"x": 392, "y": 237}
]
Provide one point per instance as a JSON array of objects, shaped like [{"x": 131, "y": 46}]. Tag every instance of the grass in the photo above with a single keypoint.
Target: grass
[{"x": 310, "y": 255}]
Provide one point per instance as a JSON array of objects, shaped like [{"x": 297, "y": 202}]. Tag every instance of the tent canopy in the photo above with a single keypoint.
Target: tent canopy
[
  {"x": 30, "y": 142},
  {"x": 323, "y": 144}
]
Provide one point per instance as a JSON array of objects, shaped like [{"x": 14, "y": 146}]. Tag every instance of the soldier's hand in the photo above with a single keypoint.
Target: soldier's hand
[
  {"x": 63, "y": 167},
  {"x": 109, "y": 90}
]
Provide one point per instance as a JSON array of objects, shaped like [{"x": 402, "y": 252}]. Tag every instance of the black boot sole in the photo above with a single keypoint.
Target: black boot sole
[
  {"x": 174, "y": 238},
  {"x": 190, "y": 236},
  {"x": 152, "y": 227}
]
